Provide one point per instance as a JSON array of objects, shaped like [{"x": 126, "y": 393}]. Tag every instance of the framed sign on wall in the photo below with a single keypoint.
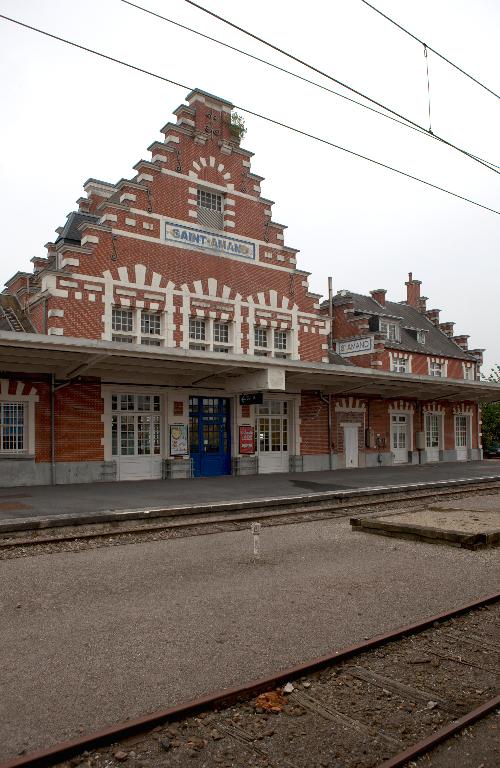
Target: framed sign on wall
[
  {"x": 179, "y": 440},
  {"x": 247, "y": 439}
]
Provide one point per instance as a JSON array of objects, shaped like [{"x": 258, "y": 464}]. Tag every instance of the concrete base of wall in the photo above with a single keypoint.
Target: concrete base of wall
[
  {"x": 245, "y": 465},
  {"x": 25, "y": 471},
  {"x": 382, "y": 459},
  {"x": 176, "y": 469},
  {"x": 315, "y": 463}
]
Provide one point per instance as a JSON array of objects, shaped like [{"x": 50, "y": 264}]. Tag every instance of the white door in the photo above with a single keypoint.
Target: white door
[
  {"x": 462, "y": 432},
  {"x": 351, "y": 445},
  {"x": 399, "y": 438},
  {"x": 272, "y": 429},
  {"x": 136, "y": 436},
  {"x": 432, "y": 436}
]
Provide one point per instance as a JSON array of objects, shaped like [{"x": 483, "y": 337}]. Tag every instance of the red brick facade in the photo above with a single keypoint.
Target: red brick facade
[{"x": 190, "y": 238}]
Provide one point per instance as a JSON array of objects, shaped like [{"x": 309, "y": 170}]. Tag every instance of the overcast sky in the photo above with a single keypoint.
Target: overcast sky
[{"x": 68, "y": 115}]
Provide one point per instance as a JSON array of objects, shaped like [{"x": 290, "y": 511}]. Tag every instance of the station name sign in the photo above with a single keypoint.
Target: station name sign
[
  {"x": 355, "y": 346},
  {"x": 179, "y": 234}
]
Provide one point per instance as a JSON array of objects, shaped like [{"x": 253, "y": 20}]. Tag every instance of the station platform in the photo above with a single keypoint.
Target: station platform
[{"x": 17, "y": 503}]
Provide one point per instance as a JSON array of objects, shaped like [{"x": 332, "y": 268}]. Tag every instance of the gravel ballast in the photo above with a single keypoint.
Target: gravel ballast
[{"x": 93, "y": 637}]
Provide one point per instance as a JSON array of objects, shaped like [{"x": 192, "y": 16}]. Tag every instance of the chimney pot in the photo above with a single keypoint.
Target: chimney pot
[
  {"x": 379, "y": 295},
  {"x": 433, "y": 315},
  {"x": 413, "y": 291},
  {"x": 447, "y": 328}
]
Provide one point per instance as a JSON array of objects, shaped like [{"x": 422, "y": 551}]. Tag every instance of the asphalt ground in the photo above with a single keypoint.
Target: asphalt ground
[
  {"x": 43, "y": 500},
  {"x": 93, "y": 637}
]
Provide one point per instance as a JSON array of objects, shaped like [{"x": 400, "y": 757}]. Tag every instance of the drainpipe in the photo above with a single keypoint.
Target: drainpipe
[
  {"x": 328, "y": 401},
  {"x": 52, "y": 429},
  {"x": 330, "y": 310}
]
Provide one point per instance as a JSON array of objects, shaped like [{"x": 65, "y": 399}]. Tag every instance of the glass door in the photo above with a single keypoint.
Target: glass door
[{"x": 209, "y": 436}]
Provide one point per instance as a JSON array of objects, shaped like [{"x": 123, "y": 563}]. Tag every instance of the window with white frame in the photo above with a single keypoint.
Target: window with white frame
[
  {"x": 280, "y": 340},
  {"x": 150, "y": 323},
  {"x": 421, "y": 337},
  {"x": 271, "y": 344},
  {"x": 391, "y": 331},
  {"x": 209, "y": 209},
  {"x": 13, "y": 427},
  {"x": 469, "y": 373},
  {"x": 122, "y": 321},
  {"x": 260, "y": 337},
  {"x": 400, "y": 365},
  {"x": 197, "y": 329},
  {"x": 221, "y": 333},
  {"x": 436, "y": 368}
]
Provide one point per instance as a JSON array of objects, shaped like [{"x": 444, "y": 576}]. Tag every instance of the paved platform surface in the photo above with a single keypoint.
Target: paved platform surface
[
  {"x": 43, "y": 500},
  {"x": 92, "y": 637}
]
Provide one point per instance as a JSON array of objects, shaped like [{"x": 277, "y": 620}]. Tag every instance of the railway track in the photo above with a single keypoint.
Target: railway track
[
  {"x": 155, "y": 524},
  {"x": 379, "y": 704}
]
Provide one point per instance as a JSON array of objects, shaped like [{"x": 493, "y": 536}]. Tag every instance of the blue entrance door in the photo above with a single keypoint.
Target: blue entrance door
[{"x": 210, "y": 436}]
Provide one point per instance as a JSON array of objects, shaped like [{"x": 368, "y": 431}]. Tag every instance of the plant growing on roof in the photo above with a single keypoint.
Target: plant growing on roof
[{"x": 238, "y": 129}]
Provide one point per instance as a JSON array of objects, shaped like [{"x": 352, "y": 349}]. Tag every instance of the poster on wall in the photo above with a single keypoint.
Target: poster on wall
[
  {"x": 247, "y": 439},
  {"x": 178, "y": 440}
]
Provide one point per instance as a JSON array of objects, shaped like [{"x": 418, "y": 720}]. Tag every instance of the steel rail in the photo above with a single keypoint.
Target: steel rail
[
  {"x": 67, "y": 749},
  {"x": 420, "y": 747},
  {"x": 333, "y": 512}
]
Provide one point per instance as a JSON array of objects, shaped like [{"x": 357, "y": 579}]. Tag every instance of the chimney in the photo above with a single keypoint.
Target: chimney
[
  {"x": 478, "y": 354},
  {"x": 462, "y": 341},
  {"x": 447, "y": 328},
  {"x": 433, "y": 315},
  {"x": 422, "y": 305},
  {"x": 413, "y": 291},
  {"x": 379, "y": 295}
]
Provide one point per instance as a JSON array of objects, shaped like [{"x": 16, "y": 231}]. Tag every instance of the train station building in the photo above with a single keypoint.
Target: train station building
[{"x": 168, "y": 332}]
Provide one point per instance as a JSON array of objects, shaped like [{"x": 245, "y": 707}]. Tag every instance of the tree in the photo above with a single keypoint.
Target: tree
[{"x": 490, "y": 414}]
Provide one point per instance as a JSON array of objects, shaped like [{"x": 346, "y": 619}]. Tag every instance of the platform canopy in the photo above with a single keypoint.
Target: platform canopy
[{"x": 68, "y": 359}]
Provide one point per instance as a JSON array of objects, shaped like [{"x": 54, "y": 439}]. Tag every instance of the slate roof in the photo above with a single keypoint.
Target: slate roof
[
  {"x": 436, "y": 342},
  {"x": 70, "y": 230},
  {"x": 12, "y": 316}
]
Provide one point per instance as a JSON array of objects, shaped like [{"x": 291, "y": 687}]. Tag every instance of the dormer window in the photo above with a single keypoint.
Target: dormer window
[
  {"x": 391, "y": 331},
  {"x": 210, "y": 209},
  {"x": 421, "y": 337}
]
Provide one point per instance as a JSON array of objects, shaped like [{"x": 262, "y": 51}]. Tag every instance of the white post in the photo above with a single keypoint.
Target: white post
[{"x": 256, "y": 539}]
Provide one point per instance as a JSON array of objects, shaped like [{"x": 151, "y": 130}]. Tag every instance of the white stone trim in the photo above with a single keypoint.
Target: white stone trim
[{"x": 128, "y": 196}]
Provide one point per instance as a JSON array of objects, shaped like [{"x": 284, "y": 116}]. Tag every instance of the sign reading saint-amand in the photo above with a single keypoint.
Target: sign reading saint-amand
[
  {"x": 355, "y": 346},
  {"x": 180, "y": 234}
]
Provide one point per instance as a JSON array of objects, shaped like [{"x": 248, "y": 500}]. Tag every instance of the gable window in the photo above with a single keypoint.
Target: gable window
[
  {"x": 210, "y": 209},
  {"x": 391, "y": 331},
  {"x": 436, "y": 369}
]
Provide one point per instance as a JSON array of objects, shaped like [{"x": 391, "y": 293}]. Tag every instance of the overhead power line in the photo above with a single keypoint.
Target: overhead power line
[
  {"x": 477, "y": 159},
  {"x": 421, "y": 130},
  {"x": 248, "y": 112},
  {"x": 410, "y": 34}
]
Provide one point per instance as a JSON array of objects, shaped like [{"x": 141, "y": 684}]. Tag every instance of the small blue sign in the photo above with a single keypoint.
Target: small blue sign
[{"x": 178, "y": 234}]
